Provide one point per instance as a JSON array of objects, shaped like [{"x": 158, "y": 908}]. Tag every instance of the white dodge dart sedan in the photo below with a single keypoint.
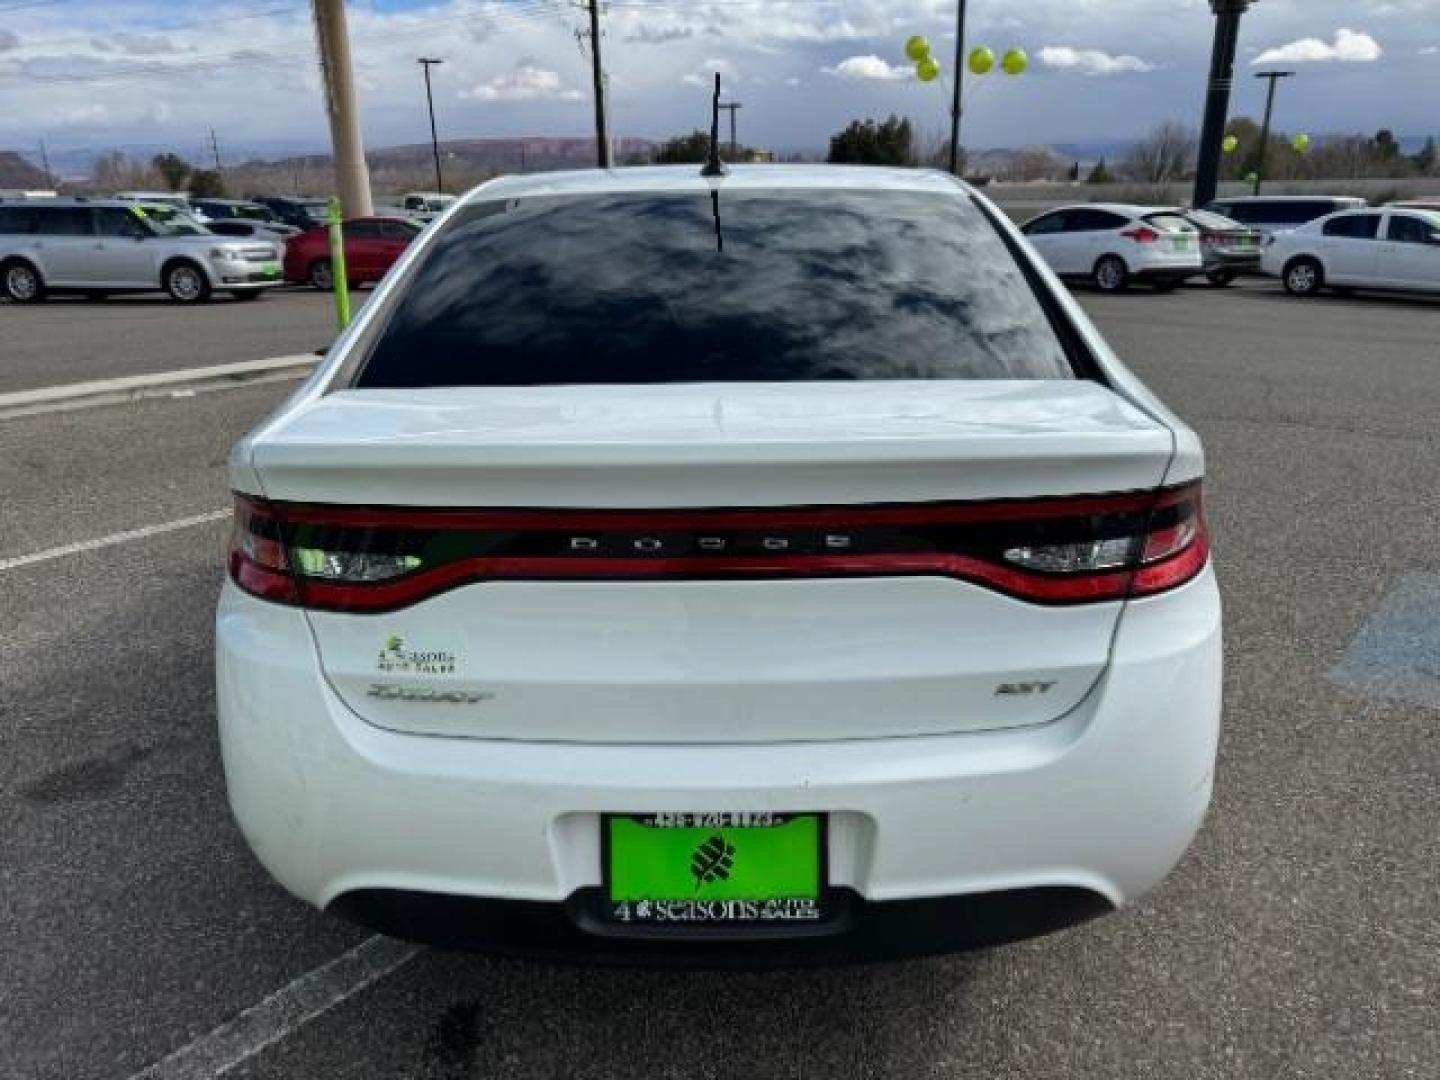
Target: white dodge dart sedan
[
  {"x": 764, "y": 569},
  {"x": 1388, "y": 249}
]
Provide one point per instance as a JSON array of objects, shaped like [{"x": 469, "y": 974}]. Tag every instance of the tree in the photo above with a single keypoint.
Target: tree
[
  {"x": 1100, "y": 174},
  {"x": 866, "y": 142},
  {"x": 1427, "y": 158},
  {"x": 173, "y": 169},
  {"x": 1165, "y": 155},
  {"x": 117, "y": 171},
  {"x": 692, "y": 149},
  {"x": 1386, "y": 148},
  {"x": 1034, "y": 163},
  {"x": 207, "y": 184}
]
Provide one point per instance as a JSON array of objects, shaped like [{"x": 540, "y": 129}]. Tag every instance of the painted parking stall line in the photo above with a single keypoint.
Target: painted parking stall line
[
  {"x": 286, "y": 1010},
  {"x": 18, "y": 561}
]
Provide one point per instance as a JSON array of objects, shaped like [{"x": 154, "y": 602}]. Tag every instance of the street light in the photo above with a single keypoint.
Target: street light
[
  {"x": 1217, "y": 100},
  {"x": 427, "y": 62},
  {"x": 1274, "y": 77}
]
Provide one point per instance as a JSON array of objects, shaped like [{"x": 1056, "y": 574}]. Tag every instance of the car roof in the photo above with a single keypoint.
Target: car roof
[
  {"x": 1128, "y": 209},
  {"x": 70, "y": 201},
  {"x": 1349, "y": 199},
  {"x": 665, "y": 179}
]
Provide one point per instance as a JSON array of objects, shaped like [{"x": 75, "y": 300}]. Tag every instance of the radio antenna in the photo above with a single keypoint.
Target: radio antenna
[{"x": 714, "y": 166}]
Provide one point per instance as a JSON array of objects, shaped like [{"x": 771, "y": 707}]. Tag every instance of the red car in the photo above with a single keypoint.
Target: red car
[{"x": 372, "y": 244}]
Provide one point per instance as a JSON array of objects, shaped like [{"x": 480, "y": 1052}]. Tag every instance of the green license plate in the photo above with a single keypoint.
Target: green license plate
[
  {"x": 688, "y": 869},
  {"x": 271, "y": 270},
  {"x": 1182, "y": 244}
]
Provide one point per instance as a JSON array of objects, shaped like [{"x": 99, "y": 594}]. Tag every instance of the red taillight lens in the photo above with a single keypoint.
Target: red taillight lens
[
  {"x": 1050, "y": 551},
  {"x": 1142, "y": 235},
  {"x": 258, "y": 560}
]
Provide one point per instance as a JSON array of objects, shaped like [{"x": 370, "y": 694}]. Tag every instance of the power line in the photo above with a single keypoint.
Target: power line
[{"x": 166, "y": 28}]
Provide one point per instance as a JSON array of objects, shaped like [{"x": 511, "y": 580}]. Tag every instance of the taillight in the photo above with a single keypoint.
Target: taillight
[
  {"x": 1049, "y": 551},
  {"x": 1142, "y": 235}
]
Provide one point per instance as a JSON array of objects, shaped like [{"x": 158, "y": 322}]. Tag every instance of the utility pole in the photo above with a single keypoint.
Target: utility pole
[
  {"x": 427, "y": 63},
  {"x": 1274, "y": 77},
  {"x": 1217, "y": 99},
  {"x": 45, "y": 164},
  {"x": 352, "y": 178},
  {"x": 602, "y": 138},
  {"x": 215, "y": 150},
  {"x": 956, "y": 105},
  {"x": 731, "y": 107}
]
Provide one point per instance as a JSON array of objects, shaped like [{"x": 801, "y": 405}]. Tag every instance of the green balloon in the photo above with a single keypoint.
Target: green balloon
[
  {"x": 1015, "y": 62},
  {"x": 1301, "y": 142},
  {"x": 927, "y": 70},
  {"x": 1231, "y": 144},
  {"x": 917, "y": 48},
  {"x": 982, "y": 61}
]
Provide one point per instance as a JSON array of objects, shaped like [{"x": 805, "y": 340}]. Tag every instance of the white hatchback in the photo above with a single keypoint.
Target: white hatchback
[
  {"x": 768, "y": 569},
  {"x": 1388, "y": 249},
  {"x": 1112, "y": 245}
]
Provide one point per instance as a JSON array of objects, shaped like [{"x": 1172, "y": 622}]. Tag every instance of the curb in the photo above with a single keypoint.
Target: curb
[{"x": 134, "y": 387}]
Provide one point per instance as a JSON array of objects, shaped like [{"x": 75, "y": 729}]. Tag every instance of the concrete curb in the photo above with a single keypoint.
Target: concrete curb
[{"x": 161, "y": 384}]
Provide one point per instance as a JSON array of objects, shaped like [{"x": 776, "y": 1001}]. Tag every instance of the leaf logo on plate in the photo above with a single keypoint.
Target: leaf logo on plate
[{"x": 713, "y": 860}]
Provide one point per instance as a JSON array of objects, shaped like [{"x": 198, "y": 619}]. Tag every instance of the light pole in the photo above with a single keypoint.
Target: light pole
[
  {"x": 1217, "y": 99},
  {"x": 1274, "y": 77},
  {"x": 955, "y": 103},
  {"x": 427, "y": 62}
]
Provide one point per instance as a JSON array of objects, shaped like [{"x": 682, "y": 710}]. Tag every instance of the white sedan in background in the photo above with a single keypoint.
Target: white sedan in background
[
  {"x": 1113, "y": 244},
  {"x": 1389, "y": 249}
]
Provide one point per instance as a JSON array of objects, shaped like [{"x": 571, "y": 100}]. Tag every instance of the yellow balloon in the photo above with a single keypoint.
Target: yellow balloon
[
  {"x": 917, "y": 48},
  {"x": 927, "y": 70},
  {"x": 1301, "y": 143},
  {"x": 1015, "y": 62},
  {"x": 982, "y": 61}
]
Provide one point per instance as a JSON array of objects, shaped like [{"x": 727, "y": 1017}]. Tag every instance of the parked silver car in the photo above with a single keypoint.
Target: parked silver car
[{"x": 100, "y": 246}]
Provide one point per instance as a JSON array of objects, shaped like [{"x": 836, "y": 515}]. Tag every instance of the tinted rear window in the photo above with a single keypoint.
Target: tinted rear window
[{"x": 747, "y": 287}]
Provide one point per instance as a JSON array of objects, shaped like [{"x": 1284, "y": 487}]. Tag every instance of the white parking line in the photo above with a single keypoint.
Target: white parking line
[
  {"x": 18, "y": 561},
  {"x": 288, "y": 1009}
]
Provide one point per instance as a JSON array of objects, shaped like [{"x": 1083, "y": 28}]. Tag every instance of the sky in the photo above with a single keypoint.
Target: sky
[{"x": 143, "y": 73}]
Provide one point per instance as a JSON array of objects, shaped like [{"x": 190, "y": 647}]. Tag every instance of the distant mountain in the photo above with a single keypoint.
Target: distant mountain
[{"x": 16, "y": 172}]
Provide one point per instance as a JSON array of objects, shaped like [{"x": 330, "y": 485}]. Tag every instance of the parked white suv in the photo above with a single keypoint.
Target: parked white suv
[
  {"x": 761, "y": 569},
  {"x": 101, "y": 246},
  {"x": 1112, "y": 245},
  {"x": 1389, "y": 249}
]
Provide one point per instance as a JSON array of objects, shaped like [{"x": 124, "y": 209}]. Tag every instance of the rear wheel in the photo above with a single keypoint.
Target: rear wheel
[
  {"x": 320, "y": 275},
  {"x": 187, "y": 283},
  {"x": 1111, "y": 275},
  {"x": 1220, "y": 278},
  {"x": 1304, "y": 277},
  {"x": 22, "y": 283}
]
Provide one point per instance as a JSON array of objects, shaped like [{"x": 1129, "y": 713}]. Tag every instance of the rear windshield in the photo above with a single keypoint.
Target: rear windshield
[
  {"x": 1172, "y": 223},
  {"x": 737, "y": 287}
]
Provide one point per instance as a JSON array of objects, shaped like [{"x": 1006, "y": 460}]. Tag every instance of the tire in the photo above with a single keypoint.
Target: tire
[
  {"x": 319, "y": 275},
  {"x": 1303, "y": 277},
  {"x": 247, "y": 294},
  {"x": 1220, "y": 278},
  {"x": 21, "y": 282},
  {"x": 1110, "y": 274},
  {"x": 186, "y": 283}
]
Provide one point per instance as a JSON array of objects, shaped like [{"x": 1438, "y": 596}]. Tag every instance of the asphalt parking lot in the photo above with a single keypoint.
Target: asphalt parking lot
[{"x": 1298, "y": 939}]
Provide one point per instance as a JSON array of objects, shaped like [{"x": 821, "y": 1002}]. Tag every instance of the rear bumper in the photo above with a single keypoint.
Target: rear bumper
[
  {"x": 868, "y": 930},
  {"x": 495, "y": 844},
  {"x": 1239, "y": 262}
]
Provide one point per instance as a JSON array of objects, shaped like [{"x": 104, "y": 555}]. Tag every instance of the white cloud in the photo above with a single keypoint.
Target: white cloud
[
  {"x": 792, "y": 80},
  {"x": 727, "y": 71},
  {"x": 1349, "y": 46},
  {"x": 1092, "y": 61},
  {"x": 869, "y": 68},
  {"x": 526, "y": 83},
  {"x": 1430, "y": 50}
]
